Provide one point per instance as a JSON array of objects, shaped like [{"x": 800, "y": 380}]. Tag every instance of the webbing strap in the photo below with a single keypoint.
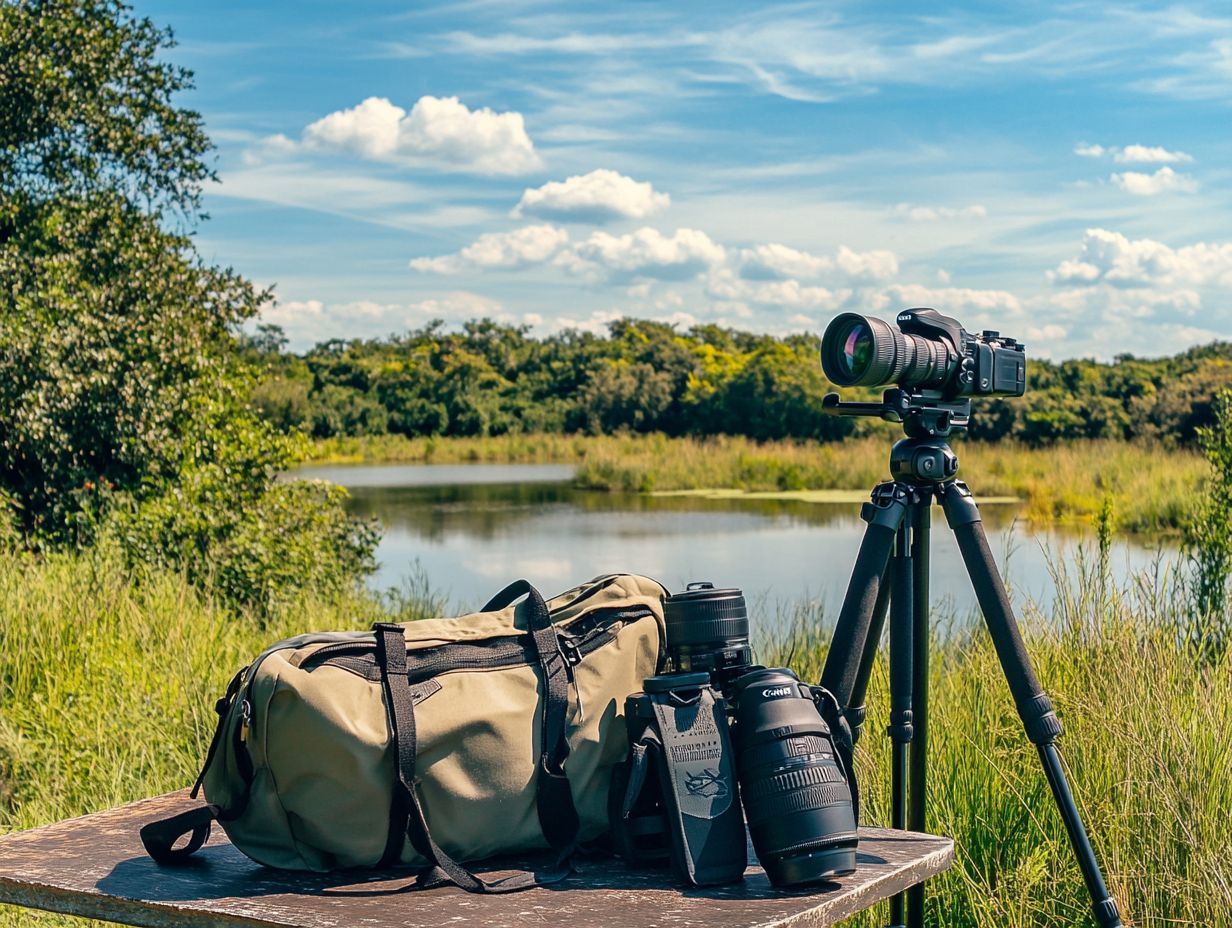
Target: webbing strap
[
  {"x": 407, "y": 814},
  {"x": 558, "y": 816}
]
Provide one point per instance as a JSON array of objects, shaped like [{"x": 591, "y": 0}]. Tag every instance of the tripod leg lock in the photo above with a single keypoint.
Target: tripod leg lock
[
  {"x": 855, "y": 721},
  {"x": 1040, "y": 720},
  {"x": 1107, "y": 915},
  {"x": 900, "y": 729}
]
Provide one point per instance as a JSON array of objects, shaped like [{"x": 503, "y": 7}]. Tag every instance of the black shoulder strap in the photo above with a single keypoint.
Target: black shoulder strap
[
  {"x": 159, "y": 838},
  {"x": 844, "y": 744},
  {"x": 407, "y": 814},
  {"x": 558, "y": 816}
]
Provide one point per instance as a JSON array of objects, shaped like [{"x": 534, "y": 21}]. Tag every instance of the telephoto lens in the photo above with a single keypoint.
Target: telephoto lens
[
  {"x": 861, "y": 350},
  {"x": 708, "y": 630},
  {"x": 795, "y": 791}
]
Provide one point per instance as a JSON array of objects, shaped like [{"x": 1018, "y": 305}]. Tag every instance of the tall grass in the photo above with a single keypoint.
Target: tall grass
[
  {"x": 1149, "y": 487},
  {"x": 1147, "y": 750},
  {"x": 107, "y": 683}
]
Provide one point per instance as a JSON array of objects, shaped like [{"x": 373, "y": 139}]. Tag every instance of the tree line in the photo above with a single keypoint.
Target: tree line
[{"x": 642, "y": 376}]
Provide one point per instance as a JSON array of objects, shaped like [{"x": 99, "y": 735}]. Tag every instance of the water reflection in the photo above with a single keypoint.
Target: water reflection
[{"x": 470, "y": 538}]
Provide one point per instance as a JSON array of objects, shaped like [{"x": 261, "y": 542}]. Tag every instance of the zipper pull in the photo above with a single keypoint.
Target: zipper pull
[{"x": 245, "y": 720}]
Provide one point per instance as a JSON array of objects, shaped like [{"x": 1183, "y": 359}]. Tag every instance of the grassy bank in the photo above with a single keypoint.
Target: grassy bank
[
  {"x": 108, "y": 684},
  {"x": 1151, "y": 488}
]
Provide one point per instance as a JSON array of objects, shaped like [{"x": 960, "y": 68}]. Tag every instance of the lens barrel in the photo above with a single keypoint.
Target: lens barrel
[
  {"x": 795, "y": 794},
  {"x": 865, "y": 351},
  {"x": 708, "y": 630}
]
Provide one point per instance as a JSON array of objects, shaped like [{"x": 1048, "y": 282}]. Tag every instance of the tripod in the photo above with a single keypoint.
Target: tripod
[{"x": 891, "y": 575}]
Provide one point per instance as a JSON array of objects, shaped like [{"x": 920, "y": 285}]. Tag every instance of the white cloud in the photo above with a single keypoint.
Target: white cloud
[
  {"x": 502, "y": 250},
  {"x": 646, "y": 253},
  {"x": 1142, "y": 154},
  {"x": 933, "y": 213},
  {"x": 309, "y": 321},
  {"x": 1133, "y": 154},
  {"x": 774, "y": 260},
  {"x": 978, "y": 305},
  {"x": 1110, "y": 258},
  {"x": 1149, "y": 185},
  {"x": 599, "y": 196},
  {"x": 438, "y": 131}
]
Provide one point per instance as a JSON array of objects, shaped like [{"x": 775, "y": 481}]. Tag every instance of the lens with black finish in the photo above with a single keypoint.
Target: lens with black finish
[
  {"x": 865, "y": 351},
  {"x": 708, "y": 630},
  {"x": 794, "y": 789}
]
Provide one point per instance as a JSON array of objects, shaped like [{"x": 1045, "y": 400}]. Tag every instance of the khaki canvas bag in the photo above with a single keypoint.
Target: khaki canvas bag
[{"x": 431, "y": 742}]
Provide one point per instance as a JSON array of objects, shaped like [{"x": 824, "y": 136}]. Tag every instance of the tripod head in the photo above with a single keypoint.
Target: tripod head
[
  {"x": 923, "y": 413},
  {"x": 924, "y": 456}
]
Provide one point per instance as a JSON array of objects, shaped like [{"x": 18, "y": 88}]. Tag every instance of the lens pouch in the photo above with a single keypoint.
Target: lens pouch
[{"x": 675, "y": 798}]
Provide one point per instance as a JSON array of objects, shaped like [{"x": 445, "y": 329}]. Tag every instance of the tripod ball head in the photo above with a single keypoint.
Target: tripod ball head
[{"x": 917, "y": 460}]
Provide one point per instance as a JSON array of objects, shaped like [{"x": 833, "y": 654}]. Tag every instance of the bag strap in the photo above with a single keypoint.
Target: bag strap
[
  {"x": 160, "y": 838},
  {"x": 558, "y": 817},
  {"x": 406, "y": 813},
  {"x": 844, "y": 744}
]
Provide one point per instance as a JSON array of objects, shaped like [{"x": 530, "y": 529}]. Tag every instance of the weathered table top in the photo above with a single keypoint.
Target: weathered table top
[{"x": 95, "y": 866}]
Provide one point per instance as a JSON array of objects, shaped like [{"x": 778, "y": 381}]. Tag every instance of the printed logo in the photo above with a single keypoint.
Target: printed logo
[
  {"x": 776, "y": 692},
  {"x": 706, "y": 783}
]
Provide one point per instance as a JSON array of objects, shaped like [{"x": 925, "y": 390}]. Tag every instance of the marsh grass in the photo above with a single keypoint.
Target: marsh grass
[
  {"x": 1146, "y": 746},
  {"x": 107, "y": 683},
  {"x": 1150, "y": 488}
]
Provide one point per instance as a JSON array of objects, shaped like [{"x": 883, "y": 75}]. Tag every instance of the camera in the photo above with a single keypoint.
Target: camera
[{"x": 925, "y": 351}]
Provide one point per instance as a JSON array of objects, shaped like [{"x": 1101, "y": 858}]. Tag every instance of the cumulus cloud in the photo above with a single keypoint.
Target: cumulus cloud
[
  {"x": 500, "y": 250},
  {"x": 1111, "y": 258},
  {"x": 776, "y": 261},
  {"x": 440, "y": 132},
  {"x": 310, "y": 321},
  {"x": 933, "y": 213},
  {"x": 1148, "y": 185},
  {"x": 599, "y": 196},
  {"x": 646, "y": 253},
  {"x": 1133, "y": 154}
]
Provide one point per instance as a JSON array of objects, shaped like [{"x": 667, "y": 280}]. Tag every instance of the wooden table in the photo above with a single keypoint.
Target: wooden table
[{"x": 95, "y": 866}]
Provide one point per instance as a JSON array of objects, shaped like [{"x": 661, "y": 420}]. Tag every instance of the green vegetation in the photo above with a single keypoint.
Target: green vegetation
[
  {"x": 124, "y": 405},
  {"x": 1145, "y": 745},
  {"x": 147, "y": 550},
  {"x": 123, "y": 712},
  {"x": 489, "y": 379},
  {"x": 1151, "y": 488}
]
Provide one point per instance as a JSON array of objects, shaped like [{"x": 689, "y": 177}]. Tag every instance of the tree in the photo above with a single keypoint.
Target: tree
[{"x": 124, "y": 407}]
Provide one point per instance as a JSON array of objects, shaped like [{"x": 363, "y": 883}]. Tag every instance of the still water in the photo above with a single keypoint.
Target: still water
[{"x": 471, "y": 529}]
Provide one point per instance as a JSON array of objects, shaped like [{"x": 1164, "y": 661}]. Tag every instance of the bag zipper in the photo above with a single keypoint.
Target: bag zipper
[{"x": 359, "y": 657}]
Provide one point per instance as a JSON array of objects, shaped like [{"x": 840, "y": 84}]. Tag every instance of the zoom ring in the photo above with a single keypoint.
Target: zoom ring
[
  {"x": 792, "y": 780},
  {"x": 793, "y": 803}
]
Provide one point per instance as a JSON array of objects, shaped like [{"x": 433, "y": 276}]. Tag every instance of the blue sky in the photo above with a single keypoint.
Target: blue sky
[{"x": 1060, "y": 172}]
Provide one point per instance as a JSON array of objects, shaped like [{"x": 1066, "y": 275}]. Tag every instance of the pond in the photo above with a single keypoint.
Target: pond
[{"x": 470, "y": 529}]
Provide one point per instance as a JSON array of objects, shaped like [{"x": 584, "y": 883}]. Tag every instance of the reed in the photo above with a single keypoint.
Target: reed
[
  {"x": 1150, "y": 488},
  {"x": 107, "y": 683}
]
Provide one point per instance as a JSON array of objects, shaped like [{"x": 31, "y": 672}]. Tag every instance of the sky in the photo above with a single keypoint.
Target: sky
[{"x": 1061, "y": 173}]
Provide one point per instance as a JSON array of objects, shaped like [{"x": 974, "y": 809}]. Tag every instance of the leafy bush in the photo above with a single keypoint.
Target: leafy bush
[{"x": 125, "y": 409}]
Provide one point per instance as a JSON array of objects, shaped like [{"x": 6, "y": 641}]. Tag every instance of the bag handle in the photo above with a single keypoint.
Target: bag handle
[
  {"x": 406, "y": 813},
  {"x": 159, "y": 838},
  {"x": 558, "y": 817}
]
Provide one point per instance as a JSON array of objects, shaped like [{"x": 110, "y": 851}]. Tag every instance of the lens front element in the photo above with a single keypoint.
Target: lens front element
[{"x": 857, "y": 350}]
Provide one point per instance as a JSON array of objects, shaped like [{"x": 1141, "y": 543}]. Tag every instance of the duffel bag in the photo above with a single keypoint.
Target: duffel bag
[{"x": 431, "y": 742}]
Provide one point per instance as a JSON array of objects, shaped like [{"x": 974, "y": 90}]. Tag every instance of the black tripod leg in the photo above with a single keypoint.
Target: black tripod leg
[
  {"x": 920, "y": 642},
  {"x": 884, "y": 514},
  {"x": 856, "y": 711},
  {"x": 901, "y": 659},
  {"x": 1034, "y": 707}
]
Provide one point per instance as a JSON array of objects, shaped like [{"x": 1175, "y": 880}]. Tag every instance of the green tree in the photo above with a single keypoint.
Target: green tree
[{"x": 123, "y": 404}]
